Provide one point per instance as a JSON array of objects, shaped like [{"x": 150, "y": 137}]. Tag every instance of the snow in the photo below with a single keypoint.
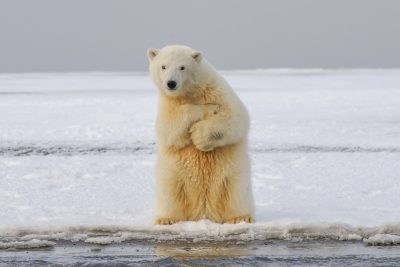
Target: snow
[
  {"x": 77, "y": 154},
  {"x": 383, "y": 240},
  {"x": 34, "y": 243}
]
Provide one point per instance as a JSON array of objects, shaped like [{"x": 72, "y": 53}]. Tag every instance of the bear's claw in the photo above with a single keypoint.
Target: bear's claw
[
  {"x": 166, "y": 221},
  {"x": 238, "y": 219}
]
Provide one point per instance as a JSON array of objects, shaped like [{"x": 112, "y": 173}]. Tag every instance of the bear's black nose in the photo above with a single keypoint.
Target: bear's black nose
[{"x": 171, "y": 85}]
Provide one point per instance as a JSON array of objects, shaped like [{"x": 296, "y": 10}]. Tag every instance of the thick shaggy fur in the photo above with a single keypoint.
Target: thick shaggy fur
[{"x": 203, "y": 169}]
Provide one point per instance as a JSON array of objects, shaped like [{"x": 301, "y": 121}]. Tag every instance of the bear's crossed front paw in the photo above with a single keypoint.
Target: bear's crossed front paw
[{"x": 203, "y": 138}]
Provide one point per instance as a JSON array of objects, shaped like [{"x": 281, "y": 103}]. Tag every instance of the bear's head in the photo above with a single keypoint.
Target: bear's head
[{"x": 175, "y": 69}]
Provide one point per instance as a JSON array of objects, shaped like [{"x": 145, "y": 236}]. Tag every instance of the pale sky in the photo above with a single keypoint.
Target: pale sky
[{"x": 113, "y": 35}]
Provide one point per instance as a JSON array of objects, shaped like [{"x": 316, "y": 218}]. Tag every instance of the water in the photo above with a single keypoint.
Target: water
[{"x": 256, "y": 253}]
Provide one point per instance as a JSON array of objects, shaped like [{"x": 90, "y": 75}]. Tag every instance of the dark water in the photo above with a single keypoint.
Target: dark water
[{"x": 271, "y": 253}]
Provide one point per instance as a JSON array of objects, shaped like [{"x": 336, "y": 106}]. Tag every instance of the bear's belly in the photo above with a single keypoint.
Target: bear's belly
[{"x": 203, "y": 182}]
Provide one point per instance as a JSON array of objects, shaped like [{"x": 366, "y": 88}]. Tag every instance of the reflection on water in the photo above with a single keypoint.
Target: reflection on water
[{"x": 203, "y": 251}]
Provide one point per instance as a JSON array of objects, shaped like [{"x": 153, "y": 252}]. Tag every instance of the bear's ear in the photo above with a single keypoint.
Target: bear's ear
[
  {"x": 152, "y": 53},
  {"x": 197, "y": 55}
]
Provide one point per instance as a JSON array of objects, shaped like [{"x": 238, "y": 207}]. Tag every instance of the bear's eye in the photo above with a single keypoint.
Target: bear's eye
[
  {"x": 182, "y": 67},
  {"x": 163, "y": 67}
]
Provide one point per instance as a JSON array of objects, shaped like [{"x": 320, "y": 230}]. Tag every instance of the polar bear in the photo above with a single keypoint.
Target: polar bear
[{"x": 203, "y": 167}]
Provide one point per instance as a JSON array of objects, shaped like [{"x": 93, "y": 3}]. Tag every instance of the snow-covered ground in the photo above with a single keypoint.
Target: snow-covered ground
[{"x": 77, "y": 154}]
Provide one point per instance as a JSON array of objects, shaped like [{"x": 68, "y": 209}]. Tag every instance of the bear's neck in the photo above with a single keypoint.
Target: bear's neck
[{"x": 204, "y": 95}]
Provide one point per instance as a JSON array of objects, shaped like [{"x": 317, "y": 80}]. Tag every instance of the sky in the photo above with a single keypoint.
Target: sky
[{"x": 113, "y": 35}]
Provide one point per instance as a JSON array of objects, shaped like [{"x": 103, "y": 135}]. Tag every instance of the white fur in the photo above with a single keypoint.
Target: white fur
[{"x": 201, "y": 118}]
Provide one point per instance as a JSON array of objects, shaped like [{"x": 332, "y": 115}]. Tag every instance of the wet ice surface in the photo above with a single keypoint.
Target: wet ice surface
[
  {"x": 255, "y": 253},
  {"x": 77, "y": 154}
]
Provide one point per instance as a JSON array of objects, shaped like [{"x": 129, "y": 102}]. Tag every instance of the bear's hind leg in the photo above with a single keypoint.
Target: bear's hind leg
[{"x": 240, "y": 202}]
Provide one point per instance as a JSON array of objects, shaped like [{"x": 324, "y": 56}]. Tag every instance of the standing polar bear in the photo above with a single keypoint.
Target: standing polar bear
[{"x": 203, "y": 169}]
